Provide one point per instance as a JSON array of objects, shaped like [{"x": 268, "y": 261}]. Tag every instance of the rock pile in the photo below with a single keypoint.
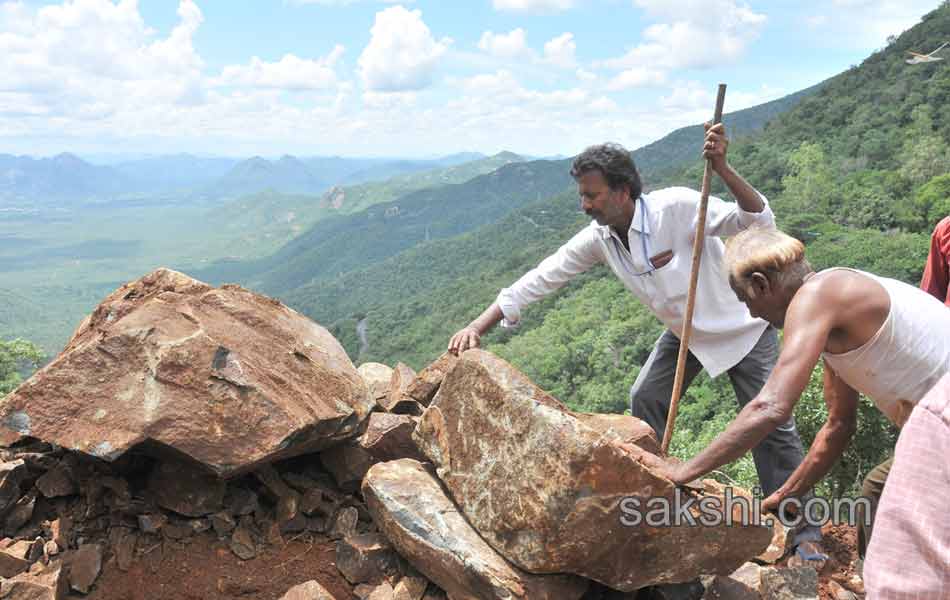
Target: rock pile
[{"x": 180, "y": 412}]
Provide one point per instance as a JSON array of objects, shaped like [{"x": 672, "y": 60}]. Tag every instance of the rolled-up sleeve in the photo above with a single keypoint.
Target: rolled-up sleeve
[
  {"x": 579, "y": 254},
  {"x": 728, "y": 218}
]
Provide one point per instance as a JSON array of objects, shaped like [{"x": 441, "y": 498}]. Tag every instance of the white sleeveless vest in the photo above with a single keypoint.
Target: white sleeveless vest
[{"x": 906, "y": 357}]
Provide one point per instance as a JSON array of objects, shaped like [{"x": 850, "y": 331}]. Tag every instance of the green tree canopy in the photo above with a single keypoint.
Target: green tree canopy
[{"x": 16, "y": 357}]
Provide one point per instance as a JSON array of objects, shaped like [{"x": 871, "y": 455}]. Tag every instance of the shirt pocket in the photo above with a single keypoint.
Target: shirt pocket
[{"x": 672, "y": 283}]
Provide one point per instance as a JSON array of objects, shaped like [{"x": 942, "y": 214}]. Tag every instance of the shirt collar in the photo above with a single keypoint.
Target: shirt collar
[
  {"x": 605, "y": 231},
  {"x": 641, "y": 217}
]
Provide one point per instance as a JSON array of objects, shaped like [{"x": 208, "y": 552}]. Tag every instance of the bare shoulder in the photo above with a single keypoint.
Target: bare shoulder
[{"x": 840, "y": 288}]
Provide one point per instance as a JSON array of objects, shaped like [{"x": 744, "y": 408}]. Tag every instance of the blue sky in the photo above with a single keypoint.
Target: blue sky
[{"x": 412, "y": 78}]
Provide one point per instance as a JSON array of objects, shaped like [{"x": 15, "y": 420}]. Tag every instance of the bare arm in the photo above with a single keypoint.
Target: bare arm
[
  {"x": 829, "y": 444},
  {"x": 808, "y": 324},
  {"x": 577, "y": 255},
  {"x": 470, "y": 336},
  {"x": 714, "y": 149}
]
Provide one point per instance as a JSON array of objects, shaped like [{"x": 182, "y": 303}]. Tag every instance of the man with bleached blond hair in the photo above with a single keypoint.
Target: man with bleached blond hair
[{"x": 877, "y": 336}]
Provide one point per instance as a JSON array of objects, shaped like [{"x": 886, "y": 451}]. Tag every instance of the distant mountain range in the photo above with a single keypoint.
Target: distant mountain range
[
  {"x": 68, "y": 179},
  {"x": 25, "y": 180}
]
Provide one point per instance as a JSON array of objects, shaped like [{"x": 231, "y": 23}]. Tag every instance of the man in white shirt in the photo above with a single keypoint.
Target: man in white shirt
[{"x": 646, "y": 240}]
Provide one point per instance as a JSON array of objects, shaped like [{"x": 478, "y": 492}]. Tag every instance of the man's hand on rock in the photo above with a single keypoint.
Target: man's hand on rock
[
  {"x": 669, "y": 468},
  {"x": 771, "y": 503},
  {"x": 466, "y": 338}
]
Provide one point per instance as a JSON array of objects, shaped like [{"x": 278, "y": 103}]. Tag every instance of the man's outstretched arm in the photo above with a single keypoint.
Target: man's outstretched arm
[
  {"x": 470, "y": 336},
  {"x": 576, "y": 256},
  {"x": 830, "y": 441},
  {"x": 808, "y": 324}
]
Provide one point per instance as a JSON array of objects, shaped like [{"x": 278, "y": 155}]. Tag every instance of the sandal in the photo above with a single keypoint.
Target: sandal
[{"x": 802, "y": 557}]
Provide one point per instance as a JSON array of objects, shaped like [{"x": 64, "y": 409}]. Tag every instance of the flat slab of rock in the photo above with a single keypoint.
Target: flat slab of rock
[
  {"x": 549, "y": 492},
  {"x": 798, "y": 583},
  {"x": 85, "y": 566},
  {"x": 377, "y": 377},
  {"x": 422, "y": 389},
  {"x": 744, "y": 584},
  {"x": 184, "y": 489},
  {"x": 389, "y": 437},
  {"x": 310, "y": 590},
  {"x": 410, "y": 588},
  {"x": 398, "y": 401},
  {"x": 11, "y": 474},
  {"x": 365, "y": 558},
  {"x": 228, "y": 377},
  {"x": 347, "y": 463},
  {"x": 630, "y": 430},
  {"x": 413, "y": 511},
  {"x": 11, "y": 564},
  {"x": 49, "y": 582},
  {"x": 57, "y": 482}
]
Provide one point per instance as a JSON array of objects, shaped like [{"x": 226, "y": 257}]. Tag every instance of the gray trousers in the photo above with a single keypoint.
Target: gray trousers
[{"x": 776, "y": 457}]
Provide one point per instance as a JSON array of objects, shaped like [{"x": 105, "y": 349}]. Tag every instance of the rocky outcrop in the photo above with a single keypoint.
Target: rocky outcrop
[
  {"x": 310, "y": 590},
  {"x": 548, "y": 491},
  {"x": 412, "y": 510},
  {"x": 422, "y": 389},
  {"x": 626, "y": 429},
  {"x": 398, "y": 401},
  {"x": 377, "y": 377},
  {"x": 389, "y": 437},
  {"x": 225, "y": 376}
]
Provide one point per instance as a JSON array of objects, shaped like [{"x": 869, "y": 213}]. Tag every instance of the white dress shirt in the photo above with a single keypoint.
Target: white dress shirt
[{"x": 723, "y": 330}]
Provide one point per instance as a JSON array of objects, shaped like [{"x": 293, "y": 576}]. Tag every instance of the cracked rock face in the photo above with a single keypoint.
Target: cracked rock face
[
  {"x": 547, "y": 488},
  {"x": 225, "y": 376},
  {"x": 411, "y": 508}
]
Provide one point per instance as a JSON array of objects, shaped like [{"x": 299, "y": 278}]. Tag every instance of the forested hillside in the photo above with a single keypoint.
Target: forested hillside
[
  {"x": 396, "y": 196},
  {"x": 354, "y": 198},
  {"x": 666, "y": 156},
  {"x": 341, "y": 244}
]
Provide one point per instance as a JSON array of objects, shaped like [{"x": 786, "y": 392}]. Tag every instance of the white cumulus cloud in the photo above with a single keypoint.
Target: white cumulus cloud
[
  {"x": 77, "y": 59},
  {"x": 402, "y": 54},
  {"x": 692, "y": 34},
  {"x": 504, "y": 45},
  {"x": 635, "y": 77},
  {"x": 560, "y": 51},
  {"x": 866, "y": 23},
  {"x": 535, "y": 6},
  {"x": 290, "y": 73}
]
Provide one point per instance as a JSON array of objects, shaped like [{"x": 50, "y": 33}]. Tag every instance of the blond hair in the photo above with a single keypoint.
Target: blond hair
[{"x": 767, "y": 251}]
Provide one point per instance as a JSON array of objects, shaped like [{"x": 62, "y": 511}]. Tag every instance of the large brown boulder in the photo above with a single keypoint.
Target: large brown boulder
[
  {"x": 225, "y": 376},
  {"x": 548, "y": 491},
  {"x": 411, "y": 508},
  {"x": 426, "y": 383},
  {"x": 377, "y": 377}
]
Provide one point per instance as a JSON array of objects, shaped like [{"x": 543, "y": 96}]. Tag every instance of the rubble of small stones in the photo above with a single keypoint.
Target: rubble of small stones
[{"x": 377, "y": 472}]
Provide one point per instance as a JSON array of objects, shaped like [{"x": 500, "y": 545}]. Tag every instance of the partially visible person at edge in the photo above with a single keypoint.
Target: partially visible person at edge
[
  {"x": 909, "y": 556},
  {"x": 936, "y": 277},
  {"x": 646, "y": 240},
  {"x": 877, "y": 336}
]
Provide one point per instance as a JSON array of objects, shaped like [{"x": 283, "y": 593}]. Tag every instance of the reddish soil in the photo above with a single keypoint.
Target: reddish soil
[
  {"x": 206, "y": 569},
  {"x": 840, "y": 543}
]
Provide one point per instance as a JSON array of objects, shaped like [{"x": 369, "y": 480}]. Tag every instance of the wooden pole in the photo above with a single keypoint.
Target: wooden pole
[{"x": 693, "y": 278}]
